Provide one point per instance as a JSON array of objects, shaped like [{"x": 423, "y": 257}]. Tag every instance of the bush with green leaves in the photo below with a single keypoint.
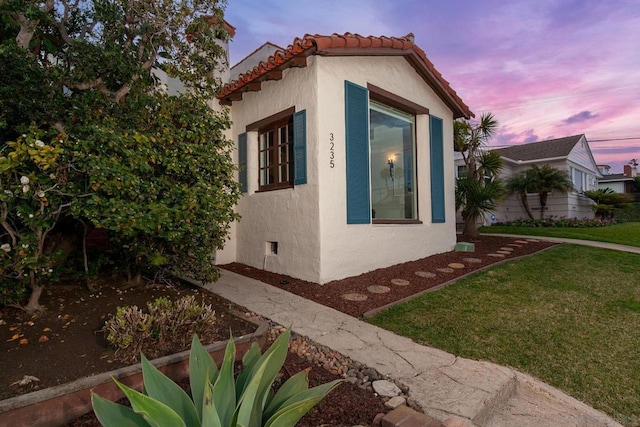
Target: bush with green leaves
[
  {"x": 165, "y": 326},
  {"x": 217, "y": 399}
]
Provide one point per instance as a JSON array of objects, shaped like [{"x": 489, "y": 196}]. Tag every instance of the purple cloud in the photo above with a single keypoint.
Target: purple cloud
[{"x": 582, "y": 116}]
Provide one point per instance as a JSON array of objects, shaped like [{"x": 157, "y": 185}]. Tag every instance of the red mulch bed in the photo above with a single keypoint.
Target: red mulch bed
[{"x": 330, "y": 294}]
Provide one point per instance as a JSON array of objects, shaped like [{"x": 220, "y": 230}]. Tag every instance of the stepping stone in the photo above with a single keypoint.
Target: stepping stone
[
  {"x": 400, "y": 282},
  {"x": 378, "y": 289},
  {"x": 445, "y": 270},
  {"x": 504, "y": 252},
  {"x": 522, "y": 242},
  {"x": 496, "y": 255},
  {"x": 505, "y": 248},
  {"x": 456, "y": 266},
  {"x": 355, "y": 297},
  {"x": 533, "y": 240},
  {"x": 425, "y": 274},
  {"x": 515, "y": 245},
  {"x": 472, "y": 260}
]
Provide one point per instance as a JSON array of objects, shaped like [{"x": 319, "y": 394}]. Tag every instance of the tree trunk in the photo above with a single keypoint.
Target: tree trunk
[
  {"x": 543, "y": 203},
  {"x": 525, "y": 205},
  {"x": 470, "y": 227},
  {"x": 33, "y": 306}
]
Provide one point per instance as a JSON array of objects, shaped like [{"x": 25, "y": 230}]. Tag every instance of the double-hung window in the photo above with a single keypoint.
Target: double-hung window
[{"x": 276, "y": 155}]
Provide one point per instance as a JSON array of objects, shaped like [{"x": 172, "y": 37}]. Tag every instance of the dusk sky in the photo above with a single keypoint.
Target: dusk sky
[{"x": 546, "y": 68}]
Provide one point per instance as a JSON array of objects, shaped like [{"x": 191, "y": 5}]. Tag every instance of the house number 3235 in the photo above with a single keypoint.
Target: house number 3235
[{"x": 332, "y": 154}]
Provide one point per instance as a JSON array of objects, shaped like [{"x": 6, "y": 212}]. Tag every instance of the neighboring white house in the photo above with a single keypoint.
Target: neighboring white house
[
  {"x": 618, "y": 182},
  {"x": 570, "y": 154},
  {"x": 345, "y": 148}
]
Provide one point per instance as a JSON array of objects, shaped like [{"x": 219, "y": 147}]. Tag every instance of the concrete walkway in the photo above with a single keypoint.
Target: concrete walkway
[
  {"x": 593, "y": 243},
  {"x": 443, "y": 385}
]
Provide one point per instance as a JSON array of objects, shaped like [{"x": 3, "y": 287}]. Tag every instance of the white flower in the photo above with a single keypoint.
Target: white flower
[
  {"x": 25, "y": 188},
  {"x": 8, "y": 193},
  {"x": 30, "y": 215},
  {"x": 40, "y": 194},
  {"x": 39, "y": 143},
  {"x": 52, "y": 176},
  {"x": 25, "y": 245},
  {"x": 24, "y": 180},
  {"x": 5, "y": 247},
  {"x": 24, "y": 136}
]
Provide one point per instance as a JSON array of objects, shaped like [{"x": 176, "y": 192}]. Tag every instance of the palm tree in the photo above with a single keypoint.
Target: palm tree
[
  {"x": 479, "y": 191},
  {"x": 547, "y": 179},
  {"x": 521, "y": 183}
]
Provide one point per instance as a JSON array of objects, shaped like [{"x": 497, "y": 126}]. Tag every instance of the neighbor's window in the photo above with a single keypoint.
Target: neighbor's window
[
  {"x": 392, "y": 141},
  {"x": 462, "y": 171},
  {"x": 276, "y": 154}
]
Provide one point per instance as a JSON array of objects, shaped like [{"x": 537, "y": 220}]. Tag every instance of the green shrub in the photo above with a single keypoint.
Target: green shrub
[
  {"x": 216, "y": 398},
  {"x": 165, "y": 326}
]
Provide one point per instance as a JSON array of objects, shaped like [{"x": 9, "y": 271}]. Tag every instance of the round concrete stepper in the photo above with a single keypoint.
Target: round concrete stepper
[
  {"x": 400, "y": 282},
  {"x": 533, "y": 240},
  {"x": 378, "y": 289},
  {"x": 456, "y": 266},
  {"x": 496, "y": 255},
  {"x": 472, "y": 260},
  {"x": 425, "y": 274},
  {"x": 445, "y": 270},
  {"x": 515, "y": 245},
  {"x": 504, "y": 252},
  {"x": 355, "y": 297},
  {"x": 522, "y": 242},
  {"x": 505, "y": 248}
]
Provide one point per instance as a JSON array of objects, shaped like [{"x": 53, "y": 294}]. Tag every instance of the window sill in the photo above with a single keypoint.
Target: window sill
[
  {"x": 274, "y": 188},
  {"x": 396, "y": 221}
]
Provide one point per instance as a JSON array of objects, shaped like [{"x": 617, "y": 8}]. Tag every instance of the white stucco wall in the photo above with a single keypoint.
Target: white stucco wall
[
  {"x": 351, "y": 249},
  {"x": 309, "y": 221},
  {"x": 289, "y": 217}
]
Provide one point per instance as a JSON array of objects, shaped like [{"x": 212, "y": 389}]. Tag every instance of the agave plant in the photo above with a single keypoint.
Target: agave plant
[{"x": 217, "y": 399}]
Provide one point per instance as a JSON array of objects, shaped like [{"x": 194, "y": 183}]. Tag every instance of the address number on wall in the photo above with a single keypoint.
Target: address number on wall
[{"x": 332, "y": 153}]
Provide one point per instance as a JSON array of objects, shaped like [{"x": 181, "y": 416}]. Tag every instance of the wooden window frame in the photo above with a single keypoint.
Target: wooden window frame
[{"x": 274, "y": 124}]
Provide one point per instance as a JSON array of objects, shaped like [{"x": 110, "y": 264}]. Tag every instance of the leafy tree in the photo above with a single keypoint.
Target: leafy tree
[
  {"x": 547, "y": 179},
  {"x": 521, "y": 183},
  {"x": 155, "y": 170},
  {"x": 480, "y": 190}
]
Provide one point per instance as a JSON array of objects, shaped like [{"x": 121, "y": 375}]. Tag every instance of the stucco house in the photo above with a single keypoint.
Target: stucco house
[
  {"x": 570, "y": 154},
  {"x": 345, "y": 149}
]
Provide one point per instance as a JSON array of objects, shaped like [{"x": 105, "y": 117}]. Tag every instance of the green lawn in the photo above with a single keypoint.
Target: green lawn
[
  {"x": 569, "y": 316},
  {"x": 625, "y": 234}
]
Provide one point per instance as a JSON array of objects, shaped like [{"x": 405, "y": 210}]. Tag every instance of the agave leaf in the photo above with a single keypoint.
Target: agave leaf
[
  {"x": 224, "y": 389},
  {"x": 248, "y": 362},
  {"x": 155, "y": 413},
  {"x": 202, "y": 368},
  {"x": 296, "y": 384},
  {"x": 263, "y": 374},
  {"x": 210, "y": 416},
  {"x": 111, "y": 414},
  {"x": 298, "y": 405},
  {"x": 161, "y": 388}
]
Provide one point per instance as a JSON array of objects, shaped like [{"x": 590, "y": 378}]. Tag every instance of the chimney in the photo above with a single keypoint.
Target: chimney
[{"x": 627, "y": 170}]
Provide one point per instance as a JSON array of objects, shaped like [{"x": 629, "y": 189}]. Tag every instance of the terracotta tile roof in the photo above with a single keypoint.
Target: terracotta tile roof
[
  {"x": 346, "y": 45},
  {"x": 560, "y": 147}
]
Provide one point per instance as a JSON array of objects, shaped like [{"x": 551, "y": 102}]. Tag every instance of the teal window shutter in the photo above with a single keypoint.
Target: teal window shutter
[
  {"x": 242, "y": 161},
  {"x": 357, "y": 146},
  {"x": 300, "y": 147},
  {"x": 436, "y": 145}
]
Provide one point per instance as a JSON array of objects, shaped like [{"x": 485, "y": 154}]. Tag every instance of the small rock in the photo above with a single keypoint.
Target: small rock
[
  {"x": 372, "y": 374},
  {"x": 394, "y": 402},
  {"x": 386, "y": 388},
  {"x": 457, "y": 422},
  {"x": 400, "y": 282},
  {"x": 351, "y": 380},
  {"x": 425, "y": 274},
  {"x": 377, "y": 421}
]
